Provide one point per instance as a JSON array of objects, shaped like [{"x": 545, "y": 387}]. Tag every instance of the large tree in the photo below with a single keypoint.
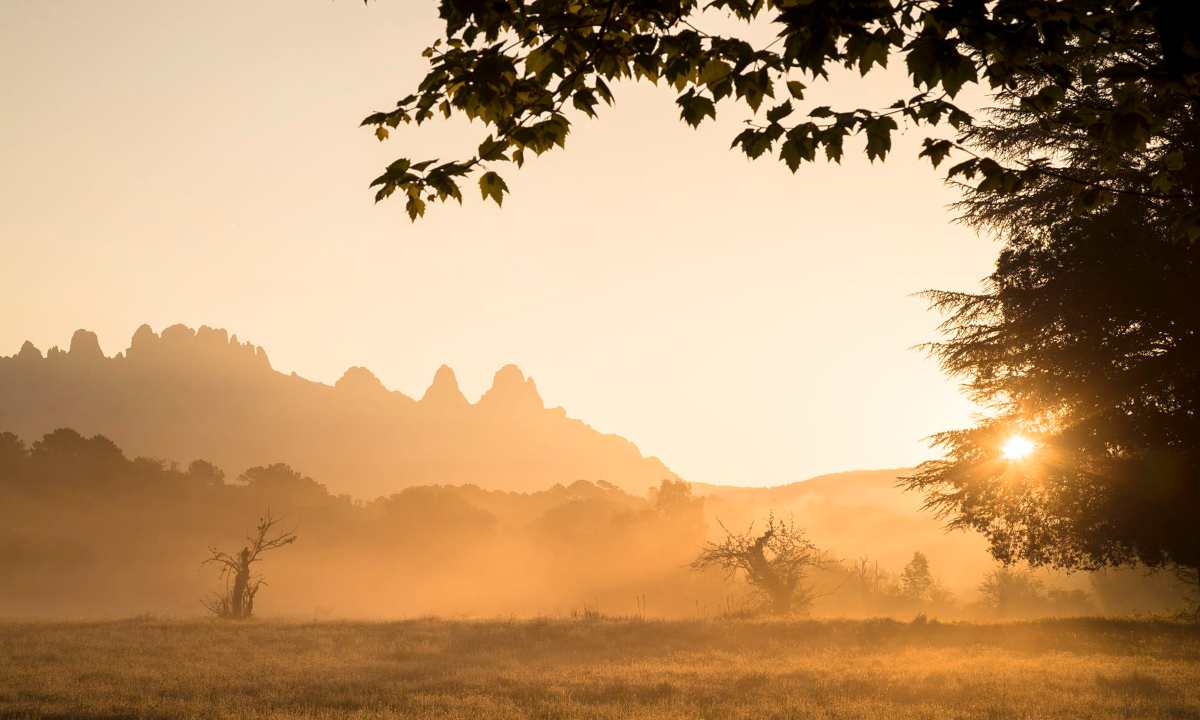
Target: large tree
[
  {"x": 525, "y": 68},
  {"x": 1086, "y": 341}
]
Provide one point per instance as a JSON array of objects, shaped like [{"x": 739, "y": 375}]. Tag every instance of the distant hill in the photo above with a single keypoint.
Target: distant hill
[{"x": 189, "y": 394}]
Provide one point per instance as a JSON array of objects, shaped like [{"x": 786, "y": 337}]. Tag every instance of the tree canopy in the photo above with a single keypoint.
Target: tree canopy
[
  {"x": 1085, "y": 339},
  {"x": 527, "y": 68}
]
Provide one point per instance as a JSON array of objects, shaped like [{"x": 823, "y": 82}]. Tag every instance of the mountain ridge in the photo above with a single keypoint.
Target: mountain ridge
[{"x": 204, "y": 393}]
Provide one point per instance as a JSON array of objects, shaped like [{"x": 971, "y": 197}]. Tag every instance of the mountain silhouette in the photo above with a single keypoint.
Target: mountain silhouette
[
  {"x": 443, "y": 394},
  {"x": 205, "y": 394}
]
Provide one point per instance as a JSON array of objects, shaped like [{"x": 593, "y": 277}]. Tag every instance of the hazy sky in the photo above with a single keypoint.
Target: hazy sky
[{"x": 201, "y": 163}]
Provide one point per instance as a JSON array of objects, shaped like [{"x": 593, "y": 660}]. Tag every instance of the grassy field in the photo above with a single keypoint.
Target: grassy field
[{"x": 600, "y": 669}]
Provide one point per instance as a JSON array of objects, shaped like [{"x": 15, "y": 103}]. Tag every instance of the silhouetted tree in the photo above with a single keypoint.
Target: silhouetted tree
[
  {"x": 241, "y": 585},
  {"x": 916, "y": 581},
  {"x": 517, "y": 66},
  {"x": 13, "y": 455},
  {"x": 775, "y": 562},
  {"x": 1012, "y": 592},
  {"x": 1086, "y": 339},
  {"x": 674, "y": 497},
  {"x": 206, "y": 473},
  {"x": 1009, "y": 591},
  {"x": 66, "y": 459},
  {"x": 280, "y": 483},
  {"x": 681, "y": 510}
]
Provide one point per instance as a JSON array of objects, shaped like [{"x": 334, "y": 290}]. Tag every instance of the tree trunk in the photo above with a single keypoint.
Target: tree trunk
[{"x": 239, "y": 607}]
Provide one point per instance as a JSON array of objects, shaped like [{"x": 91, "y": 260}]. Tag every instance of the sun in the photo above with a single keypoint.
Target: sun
[{"x": 1017, "y": 448}]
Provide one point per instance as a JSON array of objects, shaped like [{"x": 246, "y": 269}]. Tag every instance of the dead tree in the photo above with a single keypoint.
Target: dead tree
[
  {"x": 866, "y": 573},
  {"x": 774, "y": 562},
  {"x": 241, "y": 584}
]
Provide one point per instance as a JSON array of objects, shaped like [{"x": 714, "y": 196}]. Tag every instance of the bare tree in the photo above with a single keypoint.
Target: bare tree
[
  {"x": 774, "y": 562},
  {"x": 241, "y": 585},
  {"x": 866, "y": 574}
]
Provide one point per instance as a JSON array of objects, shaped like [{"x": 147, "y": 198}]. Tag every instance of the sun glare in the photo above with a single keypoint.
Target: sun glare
[{"x": 1017, "y": 448}]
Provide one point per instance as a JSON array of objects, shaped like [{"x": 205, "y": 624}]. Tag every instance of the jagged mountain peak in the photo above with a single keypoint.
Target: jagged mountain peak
[
  {"x": 29, "y": 352},
  {"x": 206, "y": 342},
  {"x": 443, "y": 392},
  {"x": 511, "y": 391},
  {"x": 144, "y": 339},
  {"x": 85, "y": 346}
]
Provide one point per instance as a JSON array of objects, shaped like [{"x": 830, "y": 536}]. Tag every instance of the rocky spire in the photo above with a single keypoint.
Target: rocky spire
[
  {"x": 177, "y": 337},
  {"x": 85, "y": 346},
  {"x": 179, "y": 343},
  {"x": 511, "y": 392},
  {"x": 143, "y": 343},
  {"x": 216, "y": 339},
  {"x": 443, "y": 392},
  {"x": 29, "y": 352}
]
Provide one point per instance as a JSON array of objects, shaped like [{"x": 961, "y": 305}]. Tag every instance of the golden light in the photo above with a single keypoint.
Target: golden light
[{"x": 1017, "y": 448}]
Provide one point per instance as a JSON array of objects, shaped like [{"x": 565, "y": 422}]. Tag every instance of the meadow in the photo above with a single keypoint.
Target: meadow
[{"x": 600, "y": 668}]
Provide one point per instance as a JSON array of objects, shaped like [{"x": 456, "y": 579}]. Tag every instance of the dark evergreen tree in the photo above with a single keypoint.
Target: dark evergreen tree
[{"x": 1085, "y": 340}]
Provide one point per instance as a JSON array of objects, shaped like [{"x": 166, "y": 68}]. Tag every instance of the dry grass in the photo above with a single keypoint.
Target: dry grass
[{"x": 600, "y": 669}]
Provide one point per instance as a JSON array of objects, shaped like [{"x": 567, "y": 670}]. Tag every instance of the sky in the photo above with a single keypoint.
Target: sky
[{"x": 201, "y": 163}]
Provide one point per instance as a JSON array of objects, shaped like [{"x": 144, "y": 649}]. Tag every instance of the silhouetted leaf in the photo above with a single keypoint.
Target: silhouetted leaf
[
  {"x": 879, "y": 136},
  {"x": 694, "y": 108},
  {"x": 492, "y": 186}
]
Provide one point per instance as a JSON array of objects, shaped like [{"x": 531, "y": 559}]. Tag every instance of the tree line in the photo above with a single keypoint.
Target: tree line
[{"x": 87, "y": 531}]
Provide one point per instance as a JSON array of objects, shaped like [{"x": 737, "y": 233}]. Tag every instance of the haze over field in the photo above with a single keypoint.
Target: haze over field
[
  {"x": 546, "y": 498},
  {"x": 404, "y": 506},
  {"x": 605, "y": 359}
]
